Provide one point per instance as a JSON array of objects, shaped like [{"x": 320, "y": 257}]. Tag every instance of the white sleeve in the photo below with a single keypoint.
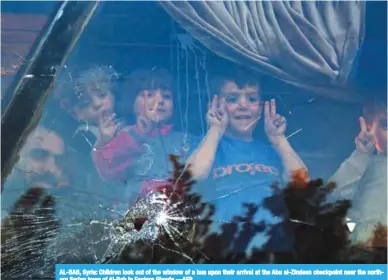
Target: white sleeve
[
  {"x": 371, "y": 200},
  {"x": 348, "y": 175}
]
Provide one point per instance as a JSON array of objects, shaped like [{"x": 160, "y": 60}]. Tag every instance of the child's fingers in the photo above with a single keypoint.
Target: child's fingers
[
  {"x": 142, "y": 120},
  {"x": 116, "y": 122},
  {"x": 374, "y": 127},
  {"x": 116, "y": 126},
  {"x": 363, "y": 124},
  {"x": 279, "y": 120},
  {"x": 222, "y": 106},
  {"x": 143, "y": 123},
  {"x": 364, "y": 138},
  {"x": 214, "y": 103},
  {"x": 370, "y": 145},
  {"x": 267, "y": 114},
  {"x": 273, "y": 107},
  {"x": 112, "y": 118},
  {"x": 109, "y": 120},
  {"x": 218, "y": 115},
  {"x": 155, "y": 107}
]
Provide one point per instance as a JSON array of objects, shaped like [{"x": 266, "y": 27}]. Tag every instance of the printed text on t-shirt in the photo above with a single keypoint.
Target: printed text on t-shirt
[{"x": 250, "y": 168}]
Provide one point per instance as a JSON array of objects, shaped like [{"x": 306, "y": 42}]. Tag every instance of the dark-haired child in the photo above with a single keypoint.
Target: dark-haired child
[
  {"x": 235, "y": 168},
  {"x": 140, "y": 152}
]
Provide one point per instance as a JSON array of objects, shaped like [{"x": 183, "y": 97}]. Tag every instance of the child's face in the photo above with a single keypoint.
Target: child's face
[
  {"x": 243, "y": 107},
  {"x": 156, "y": 105},
  {"x": 94, "y": 105}
]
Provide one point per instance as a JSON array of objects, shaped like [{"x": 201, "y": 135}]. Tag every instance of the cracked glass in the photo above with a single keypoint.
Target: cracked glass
[{"x": 153, "y": 149}]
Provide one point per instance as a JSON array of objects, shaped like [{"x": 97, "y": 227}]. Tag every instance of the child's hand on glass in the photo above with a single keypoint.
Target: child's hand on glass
[
  {"x": 109, "y": 125},
  {"x": 274, "y": 124},
  {"x": 150, "y": 119},
  {"x": 365, "y": 141},
  {"x": 216, "y": 115},
  {"x": 144, "y": 125}
]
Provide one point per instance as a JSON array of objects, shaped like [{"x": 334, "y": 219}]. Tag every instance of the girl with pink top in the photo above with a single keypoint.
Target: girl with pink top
[{"x": 140, "y": 152}]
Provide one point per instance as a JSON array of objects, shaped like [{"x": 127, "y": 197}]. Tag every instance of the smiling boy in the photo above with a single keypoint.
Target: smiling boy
[{"x": 235, "y": 167}]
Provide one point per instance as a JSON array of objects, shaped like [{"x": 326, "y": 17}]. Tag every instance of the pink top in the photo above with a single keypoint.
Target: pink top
[{"x": 113, "y": 160}]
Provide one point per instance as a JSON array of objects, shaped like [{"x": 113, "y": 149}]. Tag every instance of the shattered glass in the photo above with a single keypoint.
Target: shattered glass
[{"x": 85, "y": 219}]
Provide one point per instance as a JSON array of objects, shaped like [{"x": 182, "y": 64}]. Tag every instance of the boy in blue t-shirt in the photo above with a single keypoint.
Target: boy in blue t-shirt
[{"x": 235, "y": 169}]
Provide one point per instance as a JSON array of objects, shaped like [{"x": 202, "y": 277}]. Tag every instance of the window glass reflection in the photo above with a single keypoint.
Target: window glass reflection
[{"x": 144, "y": 123}]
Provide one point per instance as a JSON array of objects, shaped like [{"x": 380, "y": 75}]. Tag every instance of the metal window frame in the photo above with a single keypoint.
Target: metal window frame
[{"x": 23, "y": 103}]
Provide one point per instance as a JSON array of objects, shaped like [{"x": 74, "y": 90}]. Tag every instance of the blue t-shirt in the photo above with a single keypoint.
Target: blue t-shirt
[{"x": 244, "y": 172}]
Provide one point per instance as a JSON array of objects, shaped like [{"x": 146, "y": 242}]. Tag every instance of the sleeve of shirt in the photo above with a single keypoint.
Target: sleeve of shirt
[
  {"x": 348, "y": 176},
  {"x": 370, "y": 201},
  {"x": 114, "y": 159}
]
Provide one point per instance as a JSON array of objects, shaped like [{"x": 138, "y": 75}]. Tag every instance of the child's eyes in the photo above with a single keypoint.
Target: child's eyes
[
  {"x": 101, "y": 94},
  {"x": 253, "y": 99},
  {"x": 151, "y": 94},
  {"x": 98, "y": 93},
  {"x": 231, "y": 99},
  {"x": 39, "y": 154}
]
